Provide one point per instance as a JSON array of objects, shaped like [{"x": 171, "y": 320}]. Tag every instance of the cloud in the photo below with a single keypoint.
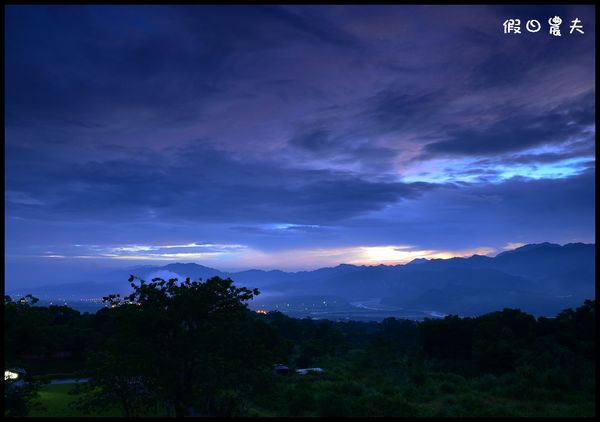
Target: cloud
[
  {"x": 394, "y": 108},
  {"x": 298, "y": 258},
  {"x": 191, "y": 251},
  {"x": 203, "y": 184},
  {"x": 518, "y": 131},
  {"x": 96, "y": 67},
  {"x": 515, "y": 210},
  {"x": 160, "y": 249},
  {"x": 21, "y": 198},
  {"x": 513, "y": 245},
  {"x": 316, "y": 139},
  {"x": 295, "y": 127}
]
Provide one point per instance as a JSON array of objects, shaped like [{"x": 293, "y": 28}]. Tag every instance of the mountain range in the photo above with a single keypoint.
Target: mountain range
[{"x": 538, "y": 278}]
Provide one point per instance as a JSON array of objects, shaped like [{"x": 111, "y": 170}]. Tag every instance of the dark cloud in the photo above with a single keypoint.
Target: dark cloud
[
  {"x": 521, "y": 200},
  {"x": 463, "y": 214},
  {"x": 156, "y": 64},
  {"x": 391, "y": 110},
  {"x": 313, "y": 24},
  {"x": 202, "y": 184},
  {"x": 280, "y": 230},
  {"x": 317, "y": 139},
  {"x": 70, "y": 64},
  {"x": 520, "y": 131},
  {"x": 342, "y": 147}
]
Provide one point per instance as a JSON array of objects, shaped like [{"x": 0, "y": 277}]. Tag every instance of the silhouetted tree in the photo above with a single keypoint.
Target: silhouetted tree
[
  {"x": 191, "y": 346},
  {"x": 20, "y": 326}
]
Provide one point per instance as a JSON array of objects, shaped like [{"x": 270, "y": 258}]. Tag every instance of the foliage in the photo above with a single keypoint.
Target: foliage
[
  {"x": 20, "y": 393},
  {"x": 20, "y": 397},
  {"x": 194, "y": 348},
  {"x": 190, "y": 347}
]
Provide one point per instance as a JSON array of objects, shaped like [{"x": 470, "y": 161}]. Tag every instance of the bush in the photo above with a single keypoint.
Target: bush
[{"x": 334, "y": 405}]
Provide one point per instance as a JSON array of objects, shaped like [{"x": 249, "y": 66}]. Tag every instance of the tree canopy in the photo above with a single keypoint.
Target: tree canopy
[{"x": 189, "y": 346}]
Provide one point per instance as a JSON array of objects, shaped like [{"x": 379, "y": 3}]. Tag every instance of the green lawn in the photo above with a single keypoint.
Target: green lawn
[{"x": 55, "y": 400}]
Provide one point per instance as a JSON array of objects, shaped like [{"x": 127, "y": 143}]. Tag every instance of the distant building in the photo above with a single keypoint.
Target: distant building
[{"x": 281, "y": 369}]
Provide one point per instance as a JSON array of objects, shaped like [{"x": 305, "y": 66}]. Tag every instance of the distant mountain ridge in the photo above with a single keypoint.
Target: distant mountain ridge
[{"x": 539, "y": 278}]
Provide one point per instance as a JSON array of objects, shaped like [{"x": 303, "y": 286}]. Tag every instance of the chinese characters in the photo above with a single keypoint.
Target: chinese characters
[{"x": 513, "y": 26}]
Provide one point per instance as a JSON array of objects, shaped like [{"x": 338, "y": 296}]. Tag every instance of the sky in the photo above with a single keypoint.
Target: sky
[{"x": 292, "y": 137}]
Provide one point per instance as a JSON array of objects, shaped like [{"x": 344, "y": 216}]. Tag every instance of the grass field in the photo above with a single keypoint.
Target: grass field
[{"x": 55, "y": 400}]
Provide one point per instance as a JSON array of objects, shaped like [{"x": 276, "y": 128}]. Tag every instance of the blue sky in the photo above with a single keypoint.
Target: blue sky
[{"x": 292, "y": 137}]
